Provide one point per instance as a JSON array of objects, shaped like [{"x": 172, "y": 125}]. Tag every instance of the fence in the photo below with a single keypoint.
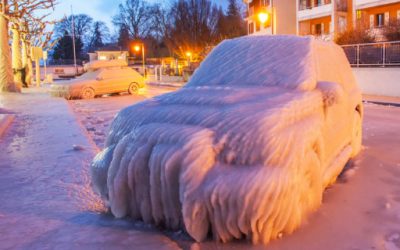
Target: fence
[
  {"x": 385, "y": 54},
  {"x": 57, "y": 62}
]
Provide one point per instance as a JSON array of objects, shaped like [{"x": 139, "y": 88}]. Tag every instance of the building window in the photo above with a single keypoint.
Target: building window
[
  {"x": 358, "y": 14},
  {"x": 318, "y": 29},
  {"x": 251, "y": 28},
  {"x": 379, "y": 20}
]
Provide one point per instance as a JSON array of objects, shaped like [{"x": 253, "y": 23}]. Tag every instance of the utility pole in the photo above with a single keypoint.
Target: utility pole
[{"x": 73, "y": 40}]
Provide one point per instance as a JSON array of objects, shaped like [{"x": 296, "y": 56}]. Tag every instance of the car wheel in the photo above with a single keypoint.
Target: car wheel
[
  {"x": 133, "y": 88},
  {"x": 87, "y": 93},
  {"x": 356, "y": 141}
]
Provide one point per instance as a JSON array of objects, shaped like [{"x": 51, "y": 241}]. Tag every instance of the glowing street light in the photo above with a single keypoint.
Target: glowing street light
[
  {"x": 137, "y": 48},
  {"x": 263, "y": 17},
  {"x": 189, "y": 57}
]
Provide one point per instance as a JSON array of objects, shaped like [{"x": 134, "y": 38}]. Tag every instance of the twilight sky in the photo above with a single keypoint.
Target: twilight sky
[{"x": 101, "y": 10}]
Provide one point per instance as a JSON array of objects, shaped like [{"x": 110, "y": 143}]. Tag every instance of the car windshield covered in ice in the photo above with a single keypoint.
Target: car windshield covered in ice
[{"x": 245, "y": 149}]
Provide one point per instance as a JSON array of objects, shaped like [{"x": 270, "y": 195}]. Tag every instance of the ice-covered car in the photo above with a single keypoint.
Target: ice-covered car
[
  {"x": 245, "y": 149},
  {"x": 100, "y": 82}
]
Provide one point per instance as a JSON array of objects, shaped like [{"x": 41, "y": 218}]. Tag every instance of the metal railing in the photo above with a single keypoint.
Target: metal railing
[{"x": 384, "y": 54}]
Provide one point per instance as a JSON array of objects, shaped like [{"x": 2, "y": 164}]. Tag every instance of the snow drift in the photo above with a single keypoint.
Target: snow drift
[{"x": 245, "y": 150}]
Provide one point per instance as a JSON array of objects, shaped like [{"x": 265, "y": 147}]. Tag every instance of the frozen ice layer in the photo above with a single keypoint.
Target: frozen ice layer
[{"x": 244, "y": 150}]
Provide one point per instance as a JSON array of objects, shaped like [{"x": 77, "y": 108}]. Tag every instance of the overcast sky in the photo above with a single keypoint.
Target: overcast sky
[{"x": 101, "y": 10}]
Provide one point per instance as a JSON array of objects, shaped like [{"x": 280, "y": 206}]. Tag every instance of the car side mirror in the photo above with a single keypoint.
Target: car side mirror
[{"x": 332, "y": 92}]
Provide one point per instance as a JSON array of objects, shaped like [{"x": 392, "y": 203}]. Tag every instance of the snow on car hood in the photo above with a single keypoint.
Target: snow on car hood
[
  {"x": 217, "y": 107},
  {"x": 286, "y": 61}
]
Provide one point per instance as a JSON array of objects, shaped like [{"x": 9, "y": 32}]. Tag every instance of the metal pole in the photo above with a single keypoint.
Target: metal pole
[
  {"x": 273, "y": 17},
  {"x": 144, "y": 61},
  {"x": 45, "y": 70},
  {"x": 384, "y": 54},
  {"x": 37, "y": 72},
  {"x": 73, "y": 40}
]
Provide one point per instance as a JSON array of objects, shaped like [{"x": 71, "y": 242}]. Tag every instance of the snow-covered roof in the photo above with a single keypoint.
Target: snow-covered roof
[{"x": 285, "y": 61}]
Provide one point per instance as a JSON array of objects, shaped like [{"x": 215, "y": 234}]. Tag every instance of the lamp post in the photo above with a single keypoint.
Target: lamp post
[
  {"x": 264, "y": 15},
  {"x": 189, "y": 57},
  {"x": 137, "y": 48}
]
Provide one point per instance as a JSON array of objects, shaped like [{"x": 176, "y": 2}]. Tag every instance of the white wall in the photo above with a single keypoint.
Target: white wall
[
  {"x": 379, "y": 81},
  {"x": 362, "y": 4}
]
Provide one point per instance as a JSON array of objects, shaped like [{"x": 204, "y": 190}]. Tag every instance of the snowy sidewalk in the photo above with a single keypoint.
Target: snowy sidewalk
[{"x": 46, "y": 199}]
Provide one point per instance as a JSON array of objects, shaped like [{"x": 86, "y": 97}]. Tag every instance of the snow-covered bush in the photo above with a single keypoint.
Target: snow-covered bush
[{"x": 245, "y": 150}]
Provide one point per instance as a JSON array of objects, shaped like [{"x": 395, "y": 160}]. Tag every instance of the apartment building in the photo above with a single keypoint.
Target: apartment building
[
  {"x": 376, "y": 13},
  {"x": 322, "y": 18},
  {"x": 279, "y": 15}
]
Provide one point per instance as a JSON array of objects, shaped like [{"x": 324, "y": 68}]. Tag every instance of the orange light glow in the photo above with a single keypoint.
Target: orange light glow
[
  {"x": 263, "y": 17},
  {"x": 136, "y": 48}
]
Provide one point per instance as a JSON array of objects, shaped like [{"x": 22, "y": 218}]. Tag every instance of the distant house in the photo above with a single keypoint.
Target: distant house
[{"x": 109, "y": 53}]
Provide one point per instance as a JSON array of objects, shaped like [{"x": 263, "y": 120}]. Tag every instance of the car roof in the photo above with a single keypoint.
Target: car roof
[{"x": 288, "y": 61}]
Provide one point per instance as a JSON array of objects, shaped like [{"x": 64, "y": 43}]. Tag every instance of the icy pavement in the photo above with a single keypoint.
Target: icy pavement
[
  {"x": 97, "y": 114},
  {"x": 46, "y": 201}
]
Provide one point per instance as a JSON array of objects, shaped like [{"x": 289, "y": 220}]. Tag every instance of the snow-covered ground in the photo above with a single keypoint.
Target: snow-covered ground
[
  {"x": 46, "y": 201},
  {"x": 97, "y": 114}
]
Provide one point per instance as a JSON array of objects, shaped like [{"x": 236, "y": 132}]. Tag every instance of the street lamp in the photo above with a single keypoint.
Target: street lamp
[
  {"x": 137, "y": 48},
  {"x": 263, "y": 17},
  {"x": 189, "y": 56}
]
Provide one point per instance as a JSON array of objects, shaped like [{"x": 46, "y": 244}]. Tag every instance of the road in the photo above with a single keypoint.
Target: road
[{"x": 97, "y": 114}]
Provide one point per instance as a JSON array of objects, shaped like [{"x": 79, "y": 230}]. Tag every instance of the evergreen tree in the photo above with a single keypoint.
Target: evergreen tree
[
  {"x": 98, "y": 36},
  {"x": 64, "y": 48},
  {"x": 124, "y": 37},
  {"x": 235, "y": 25}
]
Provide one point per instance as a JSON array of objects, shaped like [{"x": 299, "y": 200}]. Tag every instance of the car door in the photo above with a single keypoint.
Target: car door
[{"x": 101, "y": 83}]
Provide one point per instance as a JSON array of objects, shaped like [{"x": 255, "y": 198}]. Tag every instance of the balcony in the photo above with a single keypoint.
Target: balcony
[
  {"x": 363, "y": 4},
  {"x": 307, "y": 12}
]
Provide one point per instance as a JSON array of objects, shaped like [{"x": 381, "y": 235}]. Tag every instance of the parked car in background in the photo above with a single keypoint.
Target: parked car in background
[{"x": 102, "y": 81}]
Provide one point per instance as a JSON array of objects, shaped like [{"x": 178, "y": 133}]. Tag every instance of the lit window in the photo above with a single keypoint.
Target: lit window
[{"x": 359, "y": 14}]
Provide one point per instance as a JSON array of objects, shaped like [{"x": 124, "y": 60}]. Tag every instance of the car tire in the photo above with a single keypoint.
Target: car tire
[
  {"x": 87, "y": 93},
  {"x": 356, "y": 141},
  {"x": 133, "y": 88}
]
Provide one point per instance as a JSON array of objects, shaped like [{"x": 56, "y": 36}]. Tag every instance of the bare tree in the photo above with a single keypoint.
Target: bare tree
[
  {"x": 20, "y": 13},
  {"x": 6, "y": 75},
  {"x": 82, "y": 23},
  {"x": 98, "y": 36},
  {"x": 194, "y": 27},
  {"x": 137, "y": 16}
]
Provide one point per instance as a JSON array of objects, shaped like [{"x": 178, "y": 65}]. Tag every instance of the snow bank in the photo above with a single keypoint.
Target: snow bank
[{"x": 239, "y": 156}]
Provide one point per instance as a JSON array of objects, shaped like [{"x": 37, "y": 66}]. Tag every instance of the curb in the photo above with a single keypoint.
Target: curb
[
  {"x": 165, "y": 84},
  {"x": 382, "y": 103},
  {"x": 5, "y": 122}
]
